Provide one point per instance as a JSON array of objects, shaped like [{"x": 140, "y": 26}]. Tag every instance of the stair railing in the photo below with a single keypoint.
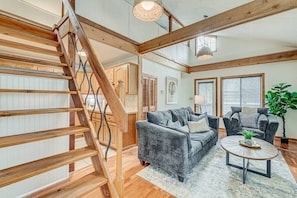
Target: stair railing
[{"x": 105, "y": 85}]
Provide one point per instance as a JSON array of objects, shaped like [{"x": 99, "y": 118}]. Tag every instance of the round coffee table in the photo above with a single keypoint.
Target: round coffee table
[{"x": 266, "y": 152}]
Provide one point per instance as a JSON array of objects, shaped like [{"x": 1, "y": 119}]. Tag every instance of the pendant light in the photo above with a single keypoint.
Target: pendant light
[
  {"x": 147, "y": 10},
  {"x": 204, "y": 53}
]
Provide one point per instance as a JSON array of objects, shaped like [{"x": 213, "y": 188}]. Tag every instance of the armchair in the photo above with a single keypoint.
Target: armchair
[{"x": 253, "y": 119}]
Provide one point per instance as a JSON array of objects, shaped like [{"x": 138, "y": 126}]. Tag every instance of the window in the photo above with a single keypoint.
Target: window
[
  {"x": 208, "y": 88},
  {"x": 209, "y": 41},
  {"x": 242, "y": 91}
]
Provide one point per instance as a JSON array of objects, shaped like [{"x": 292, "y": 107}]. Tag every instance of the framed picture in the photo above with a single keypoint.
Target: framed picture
[{"x": 171, "y": 90}]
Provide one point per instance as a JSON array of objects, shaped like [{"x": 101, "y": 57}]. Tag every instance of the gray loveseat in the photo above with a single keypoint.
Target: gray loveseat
[
  {"x": 163, "y": 141},
  {"x": 260, "y": 122}
]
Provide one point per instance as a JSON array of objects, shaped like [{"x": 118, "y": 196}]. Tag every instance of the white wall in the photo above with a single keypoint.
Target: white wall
[
  {"x": 117, "y": 16},
  {"x": 161, "y": 72},
  {"x": 274, "y": 74},
  {"x": 12, "y": 125},
  {"x": 27, "y": 10}
]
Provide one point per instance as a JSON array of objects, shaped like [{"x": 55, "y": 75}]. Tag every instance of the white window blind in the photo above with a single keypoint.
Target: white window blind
[{"x": 241, "y": 92}]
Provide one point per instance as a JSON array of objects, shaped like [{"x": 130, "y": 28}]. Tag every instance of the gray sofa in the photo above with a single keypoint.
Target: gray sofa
[
  {"x": 164, "y": 142},
  {"x": 260, "y": 122}
]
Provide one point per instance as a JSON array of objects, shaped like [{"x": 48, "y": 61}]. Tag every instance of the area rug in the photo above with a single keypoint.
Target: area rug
[{"x": 212, "y": 178}]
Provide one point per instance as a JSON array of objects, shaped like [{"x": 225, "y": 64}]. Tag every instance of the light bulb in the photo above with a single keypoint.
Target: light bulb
[{"x": 147, "y": 5}]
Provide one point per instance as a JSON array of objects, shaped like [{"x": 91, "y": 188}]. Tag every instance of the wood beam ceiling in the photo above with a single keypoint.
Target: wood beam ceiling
[
  {"x": 246, "y": 13},
  {"x": 269, "y": 58},
  {"x": 153, "y": 56},
  {"x": 101, "y": 34}
]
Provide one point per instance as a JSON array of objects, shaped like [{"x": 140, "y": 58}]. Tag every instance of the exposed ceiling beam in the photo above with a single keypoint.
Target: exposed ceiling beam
[
  {"x": 101, "y": 34},
  {"x": 269, "y": 58},
  {"x": 246, "y": 13},
  {"x": 155, "y": 57},
  {"x": 104, "y": 35}
]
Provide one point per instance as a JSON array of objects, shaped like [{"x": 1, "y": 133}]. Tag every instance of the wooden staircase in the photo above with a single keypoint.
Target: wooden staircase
[{"x": 33, "y": 50}]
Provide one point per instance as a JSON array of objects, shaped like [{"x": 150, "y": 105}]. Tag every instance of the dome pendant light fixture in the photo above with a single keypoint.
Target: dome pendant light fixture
[
  {"x": 204, "y": 53},
  {"x": 147, "y": 10}
]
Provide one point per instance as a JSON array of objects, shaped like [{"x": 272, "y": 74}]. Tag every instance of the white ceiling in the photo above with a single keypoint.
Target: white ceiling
[{"x": 271, "y": 34}]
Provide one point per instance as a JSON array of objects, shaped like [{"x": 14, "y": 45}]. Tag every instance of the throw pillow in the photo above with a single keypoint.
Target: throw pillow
[
  {"x": 159, "y": 117},
  {"x": 198, "y": 126},
  {"x": 249, "y": 120},
  {"x": 185, "y": 128},
  {"x": 174, "y": 125},
  {"x": 181, "y": 115},
  {"x": 248, "y": 110},
  {"x": 197, "y": 118}
]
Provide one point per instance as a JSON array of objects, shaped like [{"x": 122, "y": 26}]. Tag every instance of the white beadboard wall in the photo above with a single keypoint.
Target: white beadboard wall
[{"x": 15, "y": 155}]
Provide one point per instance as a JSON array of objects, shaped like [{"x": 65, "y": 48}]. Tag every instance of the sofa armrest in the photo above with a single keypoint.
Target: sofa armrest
[
  {"x": 163, "y": 146},
  {"x": 229, "y": 123},
  {"x": 271, "y": 128},
  {"x": 214, "y": 122}
]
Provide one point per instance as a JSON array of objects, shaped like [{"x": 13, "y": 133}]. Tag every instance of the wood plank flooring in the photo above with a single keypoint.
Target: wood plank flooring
[{"x": 135, "y": 186}]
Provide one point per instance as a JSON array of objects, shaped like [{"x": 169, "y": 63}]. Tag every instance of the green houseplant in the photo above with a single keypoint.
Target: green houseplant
[
  {"x": 248, "y": 135},
  {"x": 279, "y": 100}
]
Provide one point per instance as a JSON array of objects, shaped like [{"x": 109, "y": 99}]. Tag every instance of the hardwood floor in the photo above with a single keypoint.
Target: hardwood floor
[{"x": 135, "y": 186}]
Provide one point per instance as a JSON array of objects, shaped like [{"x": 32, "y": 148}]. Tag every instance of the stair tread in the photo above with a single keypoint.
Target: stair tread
[
  {"x": 31, "y": 48},
  {"x": 37, "y": 111},
  {"x": 23, "y": 24},
  {"x": 36, "y": 91},
  {"x": 41, "y": 135},
  {"x": 30, "y": 169},
  {"x": 35, "y": 61},
  {"x": 28, "y": 72},
  {"x": 27, "y": 36},
  {"x": 79, "y": 187}
]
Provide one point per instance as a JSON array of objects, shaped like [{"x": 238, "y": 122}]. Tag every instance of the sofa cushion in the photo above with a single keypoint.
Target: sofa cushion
[
  {"x": 174, "y": 125},
  {"x": 249, "y": 120},
  {"x": 198, "y": 126},
  {"x": 204, "y": 138},
  {"x": 182, "y": 115},
  {"x": 235, "y": 110},
  {"x": 159, "y": 117},
  {"x": 263, "y": 111}
]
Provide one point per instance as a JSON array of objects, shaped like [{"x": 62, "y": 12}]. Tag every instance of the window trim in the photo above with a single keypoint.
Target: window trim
[
  {"x": 262, "y": 75},
  {"x": 215, "y": 81}
]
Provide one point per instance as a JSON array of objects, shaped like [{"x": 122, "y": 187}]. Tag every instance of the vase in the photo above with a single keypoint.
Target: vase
[{"x": 248, "y": 142}]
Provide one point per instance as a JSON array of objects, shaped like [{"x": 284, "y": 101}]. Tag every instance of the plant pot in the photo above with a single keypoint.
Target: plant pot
[
  {"x": 284, "y": 140},
  {"x": 249, "y": 142}
]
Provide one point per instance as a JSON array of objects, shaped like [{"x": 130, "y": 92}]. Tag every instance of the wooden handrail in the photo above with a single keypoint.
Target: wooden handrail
[
  {"x": 114, "y": 103},
  {"x": 116, "y": 106}
]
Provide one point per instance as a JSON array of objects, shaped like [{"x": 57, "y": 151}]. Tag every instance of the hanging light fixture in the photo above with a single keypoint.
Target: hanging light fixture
[
  {"x": 204, "y": 53},
  {"x": 148, "y": 10}
]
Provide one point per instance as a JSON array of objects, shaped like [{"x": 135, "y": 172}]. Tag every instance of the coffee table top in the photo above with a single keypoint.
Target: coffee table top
[{"x": 266, "y": 152}]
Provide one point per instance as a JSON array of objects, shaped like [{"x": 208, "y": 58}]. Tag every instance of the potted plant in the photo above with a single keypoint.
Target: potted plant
[
  {"x": 248, "y": 136},
  {"x": 279, "y": 100}
]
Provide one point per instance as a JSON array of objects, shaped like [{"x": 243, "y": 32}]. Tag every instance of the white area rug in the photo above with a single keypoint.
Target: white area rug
[{"x": 211, "y": 177}]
